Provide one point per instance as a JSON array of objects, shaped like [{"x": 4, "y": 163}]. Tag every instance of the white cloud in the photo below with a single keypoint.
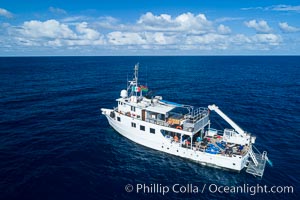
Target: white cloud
[
  {"x": 5, "y": 13},
  {"x": 213, "y": 41},
  {"x": 186, "y": 22},
  {"x": 75, "y": 19},
  {"x": 57, "y": 10},
  {"x": 287, "y": 28},
  {"x": 224, "y": 29},
  {"x": 181, "y": 30},
  {"x": 54, "y": 33},
  {"x": 49, "y": 29},
  {"x": 111, "y": 23},
  {"x": 153, "y": 22},
  {"x": 86, "y": 36},
  {"x": 5, "y": 25},
  {"x": 253, "y": 8},
  {"x": 260, "y": 27},
  {"x": 270, "y": 39},
  {"x": 280, "y": 7},
  {"x": 144, "y": 39},
  {"x": 126, "y": 38},
  {"x": 160, "y": 38},
  {"x": 149, "y": 32},
  {"x": 284, "y": 8},
  {"x": 208, "y": 41},
  {"x": 225, "y": 19},
  {"x": 88, "y": 33}
]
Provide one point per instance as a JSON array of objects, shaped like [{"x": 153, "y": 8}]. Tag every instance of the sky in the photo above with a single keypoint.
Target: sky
[{"x": 149, "y": 27}]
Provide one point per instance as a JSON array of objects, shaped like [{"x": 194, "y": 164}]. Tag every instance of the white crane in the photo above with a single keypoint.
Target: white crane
[
  {"x": 227, "y": 119},
  {"x": 241, "y": 138}
]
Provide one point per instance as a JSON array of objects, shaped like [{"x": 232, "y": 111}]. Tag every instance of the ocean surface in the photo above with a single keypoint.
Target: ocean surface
[{"x": 55, "y": 144}]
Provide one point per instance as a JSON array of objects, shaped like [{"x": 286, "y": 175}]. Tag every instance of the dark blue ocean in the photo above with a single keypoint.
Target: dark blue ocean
[{"x": 55, "y": 144}]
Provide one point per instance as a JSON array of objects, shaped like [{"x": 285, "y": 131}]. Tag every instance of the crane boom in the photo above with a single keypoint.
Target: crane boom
[{"x": 227, "y": 119}]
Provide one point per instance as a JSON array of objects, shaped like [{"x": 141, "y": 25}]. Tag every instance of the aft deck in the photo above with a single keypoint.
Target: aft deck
[{"x": 212, "y": 145}]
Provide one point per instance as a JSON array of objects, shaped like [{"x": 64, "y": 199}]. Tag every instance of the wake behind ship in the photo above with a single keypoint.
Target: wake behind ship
[{"x": 183, "y": 130}]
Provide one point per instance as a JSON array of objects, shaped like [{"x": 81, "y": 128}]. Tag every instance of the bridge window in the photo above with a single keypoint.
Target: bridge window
[
  {"x": 133, "y": 125},
  {"x": 133, "y": 108},
  {"x": 142, "y": 128},
  {"x": 119, "y": 119},
  {"x": 152, "y": 130}
]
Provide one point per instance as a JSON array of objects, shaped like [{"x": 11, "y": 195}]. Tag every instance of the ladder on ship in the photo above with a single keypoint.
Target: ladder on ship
[{"x": 257, "y": 163}]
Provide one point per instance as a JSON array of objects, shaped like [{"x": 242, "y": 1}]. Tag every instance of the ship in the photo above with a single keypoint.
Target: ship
[{"x": 183, "y": 130}]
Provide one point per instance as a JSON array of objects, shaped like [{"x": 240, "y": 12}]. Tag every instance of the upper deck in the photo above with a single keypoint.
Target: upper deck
[{"x": 164, "y": 113}]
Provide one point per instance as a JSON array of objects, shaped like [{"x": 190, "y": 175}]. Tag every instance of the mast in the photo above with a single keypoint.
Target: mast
[
  {"x": 133, "y": 84},
  {"x": 136, "y": 74}
]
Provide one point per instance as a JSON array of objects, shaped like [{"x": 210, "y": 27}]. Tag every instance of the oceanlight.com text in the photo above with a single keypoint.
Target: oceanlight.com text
[{"x": 157, "y": 188}]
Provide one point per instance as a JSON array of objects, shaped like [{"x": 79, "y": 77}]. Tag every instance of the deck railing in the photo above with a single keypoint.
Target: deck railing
[
  {"x": 195, "y": 119},
  {"x": 158, "y": 122},
  {"x": 196, "y": 114}
]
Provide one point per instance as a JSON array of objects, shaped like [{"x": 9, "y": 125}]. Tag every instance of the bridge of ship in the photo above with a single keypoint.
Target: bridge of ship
[{"x": 178, "y": 116}]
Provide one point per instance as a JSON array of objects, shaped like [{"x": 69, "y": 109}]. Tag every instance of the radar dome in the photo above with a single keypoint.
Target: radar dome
[{"x": 124, "y": 94}]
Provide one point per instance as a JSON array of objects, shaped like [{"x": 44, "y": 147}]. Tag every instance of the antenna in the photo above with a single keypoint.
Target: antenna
[
  {"x": 147, "y": 75},
  {"x": 127, "y": 82},
  {"x": 136, "y": 73}
]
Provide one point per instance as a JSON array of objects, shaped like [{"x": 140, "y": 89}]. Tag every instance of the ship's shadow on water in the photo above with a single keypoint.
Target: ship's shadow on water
[{"x": 55, "y": 144}]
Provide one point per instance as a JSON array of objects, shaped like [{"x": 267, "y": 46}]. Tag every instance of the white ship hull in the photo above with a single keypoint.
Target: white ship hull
[
  {"x": 183, "y": 130},
  {"x": 158, "y": 142}
]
